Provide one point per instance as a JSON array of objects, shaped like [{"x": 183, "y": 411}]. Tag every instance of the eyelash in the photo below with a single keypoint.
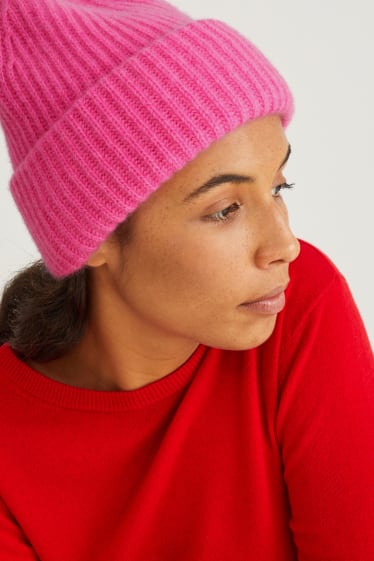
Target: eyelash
[{"x": 235, "y": 206}]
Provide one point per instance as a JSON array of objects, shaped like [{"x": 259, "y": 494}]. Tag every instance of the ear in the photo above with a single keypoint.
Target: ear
[{"x": 101, "y": 254}]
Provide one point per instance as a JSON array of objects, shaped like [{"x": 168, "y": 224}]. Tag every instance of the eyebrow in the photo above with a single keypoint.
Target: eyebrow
[{"x": 227, "y": 178}]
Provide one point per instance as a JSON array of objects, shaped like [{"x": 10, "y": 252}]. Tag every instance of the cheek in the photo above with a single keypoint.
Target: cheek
[
  {"x": 187, "y": 272},
  {"x": 191, "y": 286}
]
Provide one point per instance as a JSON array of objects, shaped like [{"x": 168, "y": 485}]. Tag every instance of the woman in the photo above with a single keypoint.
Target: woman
[{"x": 181, "y": 378}]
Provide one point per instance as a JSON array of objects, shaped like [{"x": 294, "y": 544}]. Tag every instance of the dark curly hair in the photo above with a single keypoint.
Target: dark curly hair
[{"x": 42, "y": 317}]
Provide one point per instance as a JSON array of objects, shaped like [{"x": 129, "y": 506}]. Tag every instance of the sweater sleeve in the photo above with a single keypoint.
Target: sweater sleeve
[
  {"x": 13, "y": 543},
  {"x": 325, "y": 428}
]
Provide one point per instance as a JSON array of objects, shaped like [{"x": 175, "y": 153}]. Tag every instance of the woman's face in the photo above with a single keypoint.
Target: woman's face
[{"x": 196, "y": 255}]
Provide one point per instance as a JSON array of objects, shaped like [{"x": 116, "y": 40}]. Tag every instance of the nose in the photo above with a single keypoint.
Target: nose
[{"x": 276, "y": 243}]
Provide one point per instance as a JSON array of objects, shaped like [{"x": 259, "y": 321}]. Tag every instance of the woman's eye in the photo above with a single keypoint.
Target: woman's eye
[
  {"x": 276, "y": 190},
  {"x": 225, "y": 214}
]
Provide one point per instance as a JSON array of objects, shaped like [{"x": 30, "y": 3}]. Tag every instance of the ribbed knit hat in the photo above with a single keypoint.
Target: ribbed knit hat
[{"x": 101, "y": 101}]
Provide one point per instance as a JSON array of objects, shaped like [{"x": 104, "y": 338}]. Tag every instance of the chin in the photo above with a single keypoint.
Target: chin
[{"x": 248, "y": 338}]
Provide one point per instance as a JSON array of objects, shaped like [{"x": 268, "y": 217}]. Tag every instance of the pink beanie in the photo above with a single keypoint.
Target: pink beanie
[{"x": 101, "y": 101}]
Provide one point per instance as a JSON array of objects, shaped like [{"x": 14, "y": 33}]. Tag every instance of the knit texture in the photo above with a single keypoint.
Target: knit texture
[
  {"x": 103, "y": 101},
  {"x": 258, "y": 455}
]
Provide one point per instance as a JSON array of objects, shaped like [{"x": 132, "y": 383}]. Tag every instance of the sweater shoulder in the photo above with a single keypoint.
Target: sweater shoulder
[
  {"x": 314, "y": 278},
  {"x": 313, "y": 266},
  {"x": 311, "y": 275}
]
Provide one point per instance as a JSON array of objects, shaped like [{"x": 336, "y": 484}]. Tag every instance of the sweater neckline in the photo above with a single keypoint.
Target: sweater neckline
[{"x": 64, "y": 395}]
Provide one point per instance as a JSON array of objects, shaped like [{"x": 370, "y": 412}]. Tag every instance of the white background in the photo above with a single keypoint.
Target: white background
[{"x": 325, "y": 50}]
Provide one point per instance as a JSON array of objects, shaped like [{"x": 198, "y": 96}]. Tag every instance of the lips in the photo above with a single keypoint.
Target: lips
[
  {"x": 273, "y": 293},
  {"x": 270, "y": 303}
]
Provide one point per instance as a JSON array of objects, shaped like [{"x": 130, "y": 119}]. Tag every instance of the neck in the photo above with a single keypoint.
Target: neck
[
  {"x": 112, "y": 359},
  {"x": 118, "y": 351}
]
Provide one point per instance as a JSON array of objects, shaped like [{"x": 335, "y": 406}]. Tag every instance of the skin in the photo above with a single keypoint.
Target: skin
[{"x": 181, "y": 279}]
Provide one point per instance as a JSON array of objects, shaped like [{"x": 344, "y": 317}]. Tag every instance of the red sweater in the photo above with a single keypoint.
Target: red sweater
[{"x": 263, "y": 455}]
